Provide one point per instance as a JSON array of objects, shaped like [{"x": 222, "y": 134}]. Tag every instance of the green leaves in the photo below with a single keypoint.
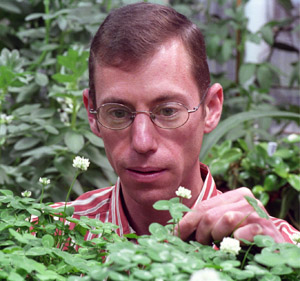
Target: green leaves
[
  {"x": 75, "y": 62},
  {"x": 165, "y": 204},
  {"x": 74, "y": 141},
  {"x": 271, "y": 182},
  {"x": 41, "y": 79},
  {"x": 253, "y": 202},
  {"x": 48, "y": 241},
  {"x": 264, "y": 241},
  {"x": 294, "y": 181},
  {"x": 175, "y": 208},
  {"x": 231, "y": 122},
  {"x": 26, "y": 143},
  {"x": 8, "y": 6},
  {"x": 246, "y": 72},
  {"x": 50, "y": 253},
  {"x": 158, "y": 231},
  {"x": 267, "y": 34},
  {"x": 219, "y": 166},
  {"x": 264, "y": 76},
  {"x": 273, "y": 178}
]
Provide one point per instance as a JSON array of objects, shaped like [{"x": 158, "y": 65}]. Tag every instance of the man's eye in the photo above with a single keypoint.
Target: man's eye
[
  {"x": 167, "y": 111},
  {"x": 118, "y": 113}
]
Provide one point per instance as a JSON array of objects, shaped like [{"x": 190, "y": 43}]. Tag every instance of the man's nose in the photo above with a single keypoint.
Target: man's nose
[{"x": 143, "y": 134}]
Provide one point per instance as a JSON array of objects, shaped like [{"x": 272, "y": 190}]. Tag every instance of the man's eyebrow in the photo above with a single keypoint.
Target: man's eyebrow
[
  {"x": 171, "y": 96},
  {"x": 112, "y": 99},
  {"x": 165, "y": 97}
]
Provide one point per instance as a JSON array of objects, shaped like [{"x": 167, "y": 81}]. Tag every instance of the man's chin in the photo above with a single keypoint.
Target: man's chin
[{"x": 149, "y": 190}]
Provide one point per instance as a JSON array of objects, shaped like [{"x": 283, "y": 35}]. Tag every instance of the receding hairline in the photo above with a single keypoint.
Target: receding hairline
[
  {"x": 112, "y": 37},
  {"x": 143, "y": 64},
  {"x": 133, "y": 65}
]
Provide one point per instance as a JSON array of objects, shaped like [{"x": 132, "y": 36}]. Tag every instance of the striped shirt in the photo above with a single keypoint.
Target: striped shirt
[{"x": 105, "y": 205}]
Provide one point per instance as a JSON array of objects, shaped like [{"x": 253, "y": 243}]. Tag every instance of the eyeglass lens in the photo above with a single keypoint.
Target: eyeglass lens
[{"x": 167, "y": 115}]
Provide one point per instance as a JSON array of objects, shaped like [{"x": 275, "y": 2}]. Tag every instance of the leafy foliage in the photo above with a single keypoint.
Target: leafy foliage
[
  {"x": 43, "y": 70},
  {"x": 37, "y": 243},
  {"x": 272, "y": 174},
  {"x": 40, "y": 94}
]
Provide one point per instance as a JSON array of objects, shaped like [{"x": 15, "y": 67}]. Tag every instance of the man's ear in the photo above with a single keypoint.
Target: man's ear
[
  {"x": 92, "y": 117},
  {"x": 213, "y": 107}
]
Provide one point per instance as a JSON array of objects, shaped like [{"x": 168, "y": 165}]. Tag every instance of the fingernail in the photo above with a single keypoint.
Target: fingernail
[{"x": 258, "y": 229}]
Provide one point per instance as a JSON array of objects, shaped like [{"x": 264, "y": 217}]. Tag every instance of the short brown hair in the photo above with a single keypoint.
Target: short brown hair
[{"x": 131, "y": 34}]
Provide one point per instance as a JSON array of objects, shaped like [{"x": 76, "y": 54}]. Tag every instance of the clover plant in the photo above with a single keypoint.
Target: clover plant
[{"x": 36, "y": 243}]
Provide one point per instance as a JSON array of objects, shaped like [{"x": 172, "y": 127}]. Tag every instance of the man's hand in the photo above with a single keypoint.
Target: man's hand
[{"x": 221, "y": 215}]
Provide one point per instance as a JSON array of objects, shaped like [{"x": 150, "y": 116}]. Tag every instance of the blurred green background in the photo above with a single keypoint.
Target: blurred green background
[{"x": 253, "y": 51}]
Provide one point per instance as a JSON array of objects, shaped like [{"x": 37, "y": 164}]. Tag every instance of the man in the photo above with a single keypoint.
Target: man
[{"x": 151, "y": 102}]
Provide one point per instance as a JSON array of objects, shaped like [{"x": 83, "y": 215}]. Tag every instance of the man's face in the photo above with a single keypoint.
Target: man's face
[{"x": 150, "y": 161}]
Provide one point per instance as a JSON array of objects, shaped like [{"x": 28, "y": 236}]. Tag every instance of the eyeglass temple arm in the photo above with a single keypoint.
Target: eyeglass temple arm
[
  {"x": 91, "y": 110},
  {"x": 201, "y": 101}
]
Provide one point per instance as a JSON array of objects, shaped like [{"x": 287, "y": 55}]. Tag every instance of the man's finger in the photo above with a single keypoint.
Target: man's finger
[
  {"x": 248, "y": 232},
  {"x": 219, "y": 222},
  {"x": 188, "y": 225},
  {"x": 205, "y": 215},
  {"x": 227, "y": 224}
]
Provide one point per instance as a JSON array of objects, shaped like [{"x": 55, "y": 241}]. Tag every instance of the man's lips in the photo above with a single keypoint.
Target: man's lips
[
  {"x": 145, "y": 174},
  {"x": 145, "y": 170}
]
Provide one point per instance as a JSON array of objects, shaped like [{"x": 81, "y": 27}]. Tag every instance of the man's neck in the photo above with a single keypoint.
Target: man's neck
[{"x": 140, "y": 216}]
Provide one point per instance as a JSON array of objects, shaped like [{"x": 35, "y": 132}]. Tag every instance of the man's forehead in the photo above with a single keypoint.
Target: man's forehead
[
  {"x": 128, "y": 64},
  {"x": 165, "y": 76}
]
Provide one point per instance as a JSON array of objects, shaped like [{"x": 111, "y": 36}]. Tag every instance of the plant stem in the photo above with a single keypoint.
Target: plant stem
[
  {"x": 2, "y": 96},
  {"x": 74, "y": 114},
  {"x": 245, "y": 256},
  {"x": 178, "y": 227},
  {"x": 42, "y": 195},
  {"x": 70, "y": 189},
  {"x": 65, "y": 208},
  {"x": 47, "y": 36},
  {"x": 178, "y": 231}
]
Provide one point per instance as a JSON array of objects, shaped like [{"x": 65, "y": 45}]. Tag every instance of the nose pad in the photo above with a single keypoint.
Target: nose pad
[{"x": 152, "y": 117}]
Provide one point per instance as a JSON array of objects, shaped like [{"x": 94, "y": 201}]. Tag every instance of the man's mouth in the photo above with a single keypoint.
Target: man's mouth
[
  {"x": 145, "y": 174},
  {"x": 145, "y": 171}
]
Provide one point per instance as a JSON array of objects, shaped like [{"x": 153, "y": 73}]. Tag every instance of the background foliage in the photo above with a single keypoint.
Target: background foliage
[{"x": 43, "y": 70}]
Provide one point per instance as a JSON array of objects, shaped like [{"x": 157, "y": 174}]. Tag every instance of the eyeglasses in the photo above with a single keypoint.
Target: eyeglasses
[{"x": 169, "y": 115}]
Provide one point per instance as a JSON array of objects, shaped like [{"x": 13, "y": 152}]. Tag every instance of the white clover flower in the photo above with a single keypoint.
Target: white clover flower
[
  {"x": 6, "y": 119},
  {"x": 66, "y": 105},
  {"x": 230, "y": 245},
  {"x": 292, "y": 137},
  {"x": 44, "y": 181},
  {"x": 64, "y": 117},
  {"x": 296, "y": 238},
  {"x": 205, "y": 274},
  {"x": 9, "y": 118},
  {"x": 81, "y": 163},
  {"x": 26, "y": 193},
  {"x": 69, "y": 103},
  {"x": 183, "y": 192}
]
